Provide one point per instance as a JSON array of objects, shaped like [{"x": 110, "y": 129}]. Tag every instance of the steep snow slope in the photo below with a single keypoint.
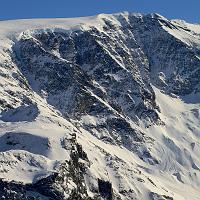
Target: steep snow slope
[{"x": 103, "y": 107}]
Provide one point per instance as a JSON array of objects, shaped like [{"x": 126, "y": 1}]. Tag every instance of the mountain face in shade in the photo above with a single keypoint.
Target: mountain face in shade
[{"x": 104, "y": 107}]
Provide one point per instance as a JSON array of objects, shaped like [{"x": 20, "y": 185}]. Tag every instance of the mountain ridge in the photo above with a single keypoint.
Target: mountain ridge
[{"x": 103, "y": 107}]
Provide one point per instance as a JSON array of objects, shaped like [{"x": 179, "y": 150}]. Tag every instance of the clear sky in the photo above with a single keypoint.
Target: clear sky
[{"x": 17, "y": 9}]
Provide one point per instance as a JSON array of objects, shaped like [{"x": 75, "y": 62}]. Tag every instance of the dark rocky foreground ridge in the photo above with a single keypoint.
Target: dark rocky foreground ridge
[{"x": 101, "y": 78}]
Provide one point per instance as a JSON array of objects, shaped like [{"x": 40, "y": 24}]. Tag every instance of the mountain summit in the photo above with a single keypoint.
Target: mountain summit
[{"x": 103, "y": 107}]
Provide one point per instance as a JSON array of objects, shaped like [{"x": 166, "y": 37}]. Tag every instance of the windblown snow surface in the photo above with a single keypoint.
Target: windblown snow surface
[{"x": 163, "y": 162}]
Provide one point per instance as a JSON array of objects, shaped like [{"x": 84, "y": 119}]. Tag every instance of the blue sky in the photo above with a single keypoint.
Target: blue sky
[{"x": 17, "y": 9}]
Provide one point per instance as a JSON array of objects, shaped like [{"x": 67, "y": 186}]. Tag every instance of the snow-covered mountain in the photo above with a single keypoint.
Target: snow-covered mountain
[{"x": 104, "y": 107}]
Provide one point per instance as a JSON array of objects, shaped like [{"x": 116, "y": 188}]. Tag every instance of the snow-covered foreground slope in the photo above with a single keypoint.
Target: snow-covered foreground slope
[{"x": 103, "y": 107}]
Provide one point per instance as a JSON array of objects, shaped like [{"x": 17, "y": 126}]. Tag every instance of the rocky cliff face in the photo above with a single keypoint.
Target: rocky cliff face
[{"x": 126, "y": 85}]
